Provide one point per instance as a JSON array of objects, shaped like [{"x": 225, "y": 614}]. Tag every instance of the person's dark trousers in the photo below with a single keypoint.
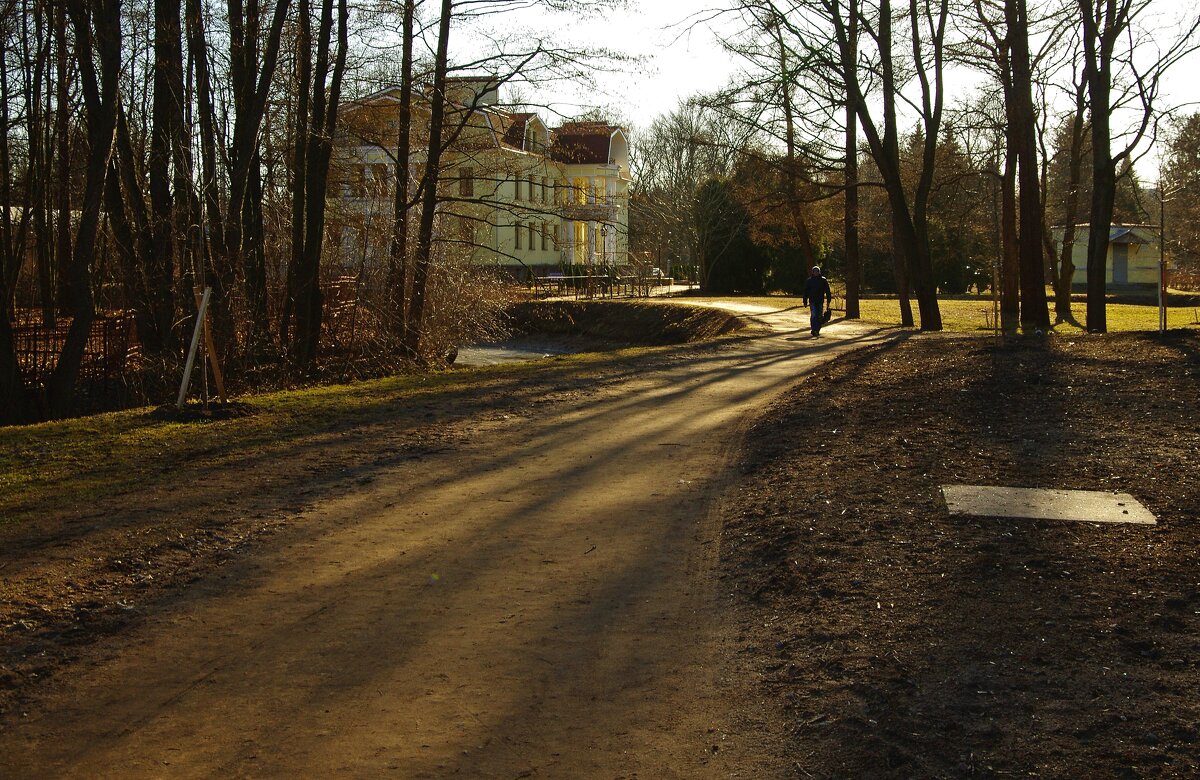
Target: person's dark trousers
[{"x": 818, "y": 312}]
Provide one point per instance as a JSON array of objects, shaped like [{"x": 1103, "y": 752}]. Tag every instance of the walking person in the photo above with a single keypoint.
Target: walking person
[{"x": 817, "y": 296}]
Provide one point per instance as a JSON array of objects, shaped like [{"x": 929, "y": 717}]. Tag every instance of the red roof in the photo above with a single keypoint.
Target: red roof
[
  {"x": 514, "y": 135},
  {"x": 582, "y": 143}
]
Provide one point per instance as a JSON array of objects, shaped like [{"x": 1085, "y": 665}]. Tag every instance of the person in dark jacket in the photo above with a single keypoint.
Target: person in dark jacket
[{"x": 817, "y": 296}]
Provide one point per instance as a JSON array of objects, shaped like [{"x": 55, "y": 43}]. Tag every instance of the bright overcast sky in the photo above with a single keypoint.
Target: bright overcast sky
[{"x": 678, "y": 58}]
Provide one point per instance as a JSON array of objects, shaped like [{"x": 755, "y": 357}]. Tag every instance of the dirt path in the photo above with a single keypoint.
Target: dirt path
[{"x": 540, "y": 601}]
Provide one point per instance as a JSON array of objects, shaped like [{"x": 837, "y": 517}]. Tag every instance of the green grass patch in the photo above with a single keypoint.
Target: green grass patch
[{"x": 974, "y": 315}]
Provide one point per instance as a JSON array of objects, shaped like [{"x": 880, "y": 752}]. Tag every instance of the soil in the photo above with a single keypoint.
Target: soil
[
  {"x": 72, "y": 579},
  {"x": 517, "y": 579},
  {"x": 610, "y": 572},
  {"x": 893, "y": 640}
]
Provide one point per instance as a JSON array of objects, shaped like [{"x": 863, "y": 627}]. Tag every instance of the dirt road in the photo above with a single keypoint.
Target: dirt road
[{"x": 539, "y": 601}]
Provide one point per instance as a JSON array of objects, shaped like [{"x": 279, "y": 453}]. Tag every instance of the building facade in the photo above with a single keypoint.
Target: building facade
[
  {"x": 1133, "y": 255},
  {"x": 514, "y": 192}
]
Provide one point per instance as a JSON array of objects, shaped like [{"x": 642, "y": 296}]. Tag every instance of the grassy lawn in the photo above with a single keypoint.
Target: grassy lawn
[
  {"x": 969, "y": 314},
  {"x": 109, "y": 453},
  {"x": 66, "y": 462}
]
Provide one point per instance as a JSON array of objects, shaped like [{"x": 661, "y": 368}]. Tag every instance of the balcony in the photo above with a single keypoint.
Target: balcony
[{"x": 604, "y": 211}]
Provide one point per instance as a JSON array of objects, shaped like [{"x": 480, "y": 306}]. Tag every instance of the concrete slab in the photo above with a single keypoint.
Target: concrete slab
[{"x": 1088, "y": 506}]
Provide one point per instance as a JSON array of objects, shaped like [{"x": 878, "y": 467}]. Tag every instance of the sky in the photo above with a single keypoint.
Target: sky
[{"x": 677, "y": 54}]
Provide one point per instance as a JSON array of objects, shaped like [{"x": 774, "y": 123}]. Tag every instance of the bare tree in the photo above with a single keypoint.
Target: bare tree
[
  {"x": 316, "y": 122},
  {"x": 1118, "y": 81},
  {"x": 433, "y": 161},
  {"x": 97, "y": 28}
]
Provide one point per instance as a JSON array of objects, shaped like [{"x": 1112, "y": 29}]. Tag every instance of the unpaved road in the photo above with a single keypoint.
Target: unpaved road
[{"x": 538, "y": 602}]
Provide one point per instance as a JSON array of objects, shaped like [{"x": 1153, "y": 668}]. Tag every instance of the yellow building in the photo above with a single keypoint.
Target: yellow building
[
  {"x": 1133, "y": 255},
  {"x": 515, "y": 192}
]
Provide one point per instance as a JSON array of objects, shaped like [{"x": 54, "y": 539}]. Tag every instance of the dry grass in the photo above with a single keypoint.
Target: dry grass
[{"x": 68, "y": 462}]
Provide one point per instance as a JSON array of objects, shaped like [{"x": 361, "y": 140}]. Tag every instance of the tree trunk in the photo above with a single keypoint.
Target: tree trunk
[
  {"x": 900, "y": 266},
  {"x": 1010, "y": 266},
  {"x": 254, "y": 267},
  {"x": 398, "y": 257},
  {"x": 19, "y": 404},
  {"x": 1098, "y": 39},
  {"x": 62, "y": 116},
  {"x": 433, "y": 161},
  {"x": 126, "y": 246},
  {"x": 931, "y": 112},
  {"x": 909, "y": 228},
  {"x": 134, "y": 218},
  {"x": 1066, "y": 273},
  {"x": 251, "y": 71},
  {"x": 16, "y": 401},
  {"x": 1034, "y": 313},
  {"x": 43, "y": 214},
  {"x": 166, "y": 135},
  {"x": 803, "y": 238},
  {"x": 853, "y": 258},
  {"x": 322, "y": 123},
  {"x": 100, "y": 105},
  {"x": 299, "y": 166},
  {"x": 211, "y": 231}
]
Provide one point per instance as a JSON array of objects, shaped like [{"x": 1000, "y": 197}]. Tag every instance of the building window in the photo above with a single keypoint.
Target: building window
[
  {"x": 580, "y": 191},
  {"x": 545, "y": 236},
  {"x": 532, "y": 236},
  {"x": 466, "y": 182},
  {"x": 517, "y": 232},
  {"x": 580, "y": 242}
]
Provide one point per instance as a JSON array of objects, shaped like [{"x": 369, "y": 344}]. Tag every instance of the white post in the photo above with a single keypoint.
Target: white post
[
  {"x": 191, "y": 358},
  {"x": 1162, "y": 294},
  {"x": 1162, "y": 258}
]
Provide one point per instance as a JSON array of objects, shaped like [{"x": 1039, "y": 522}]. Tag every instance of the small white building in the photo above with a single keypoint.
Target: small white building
[{"x": 1133, "y": 256}]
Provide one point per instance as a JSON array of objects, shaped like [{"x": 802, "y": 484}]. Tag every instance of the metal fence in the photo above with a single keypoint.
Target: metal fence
[
  {"x": 595, "y": 286},
  {"x": 110, "y": 358}
]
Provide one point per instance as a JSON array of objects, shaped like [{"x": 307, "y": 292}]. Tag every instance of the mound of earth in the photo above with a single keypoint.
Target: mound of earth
[
  {"x": 894, "y": 640},
  {"x": 628, "y": 321},
  {"x": 195, "y": 412}
]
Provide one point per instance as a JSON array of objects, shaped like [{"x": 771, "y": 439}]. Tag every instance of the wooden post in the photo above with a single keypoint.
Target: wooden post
[
  {"x": 201, "y": 311},
  {"x": 211, "y": 350}
]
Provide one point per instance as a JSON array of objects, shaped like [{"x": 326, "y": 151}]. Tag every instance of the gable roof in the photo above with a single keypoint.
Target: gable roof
[
  {"x": 1125, "y": 235},
  {"x": 583, "y": 143},
  {"x": 514, "y": 136}
]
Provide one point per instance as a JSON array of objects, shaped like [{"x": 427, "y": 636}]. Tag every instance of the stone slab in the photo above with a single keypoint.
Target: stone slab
[{"x": 1087, "y": 506}]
